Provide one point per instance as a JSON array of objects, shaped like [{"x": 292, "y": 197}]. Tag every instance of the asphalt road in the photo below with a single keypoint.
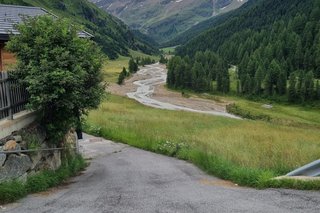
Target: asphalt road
[
  {"x": 124, "y": 179},
  {"x": 157, "y": 76}
]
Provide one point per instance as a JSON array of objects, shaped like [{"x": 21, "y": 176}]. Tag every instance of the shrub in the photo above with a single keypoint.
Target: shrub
[{"x": 60, "y": 71}]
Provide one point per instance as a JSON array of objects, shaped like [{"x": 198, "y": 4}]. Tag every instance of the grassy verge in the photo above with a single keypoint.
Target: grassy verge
[
  {"x": 14, "y": 190},
  {"x": 247, "y": 152}
]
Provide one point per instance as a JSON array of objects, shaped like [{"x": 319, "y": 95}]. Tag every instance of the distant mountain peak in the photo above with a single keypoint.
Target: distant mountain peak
[{"x": 164, "y": 19}]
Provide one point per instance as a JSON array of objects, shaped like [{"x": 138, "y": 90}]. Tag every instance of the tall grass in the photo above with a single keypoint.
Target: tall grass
[{"x": 247, "y": 152}]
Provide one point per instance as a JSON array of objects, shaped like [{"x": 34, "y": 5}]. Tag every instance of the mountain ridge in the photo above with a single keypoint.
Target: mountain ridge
[
  {"x": 164, "y": 19},
  {"x": 114, "y": 37}
]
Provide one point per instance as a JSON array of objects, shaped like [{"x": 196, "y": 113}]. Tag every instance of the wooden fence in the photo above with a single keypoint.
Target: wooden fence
[{"x": 13, "y": 97}]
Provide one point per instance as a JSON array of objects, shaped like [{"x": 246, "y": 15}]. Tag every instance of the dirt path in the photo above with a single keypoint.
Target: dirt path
[{"x": 147, "y": 86}]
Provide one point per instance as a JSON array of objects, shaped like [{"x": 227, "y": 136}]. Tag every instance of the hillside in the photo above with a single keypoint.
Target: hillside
[
  {"x": 164, "y": 19},
  {"x": 111, "y": 33},
  {"x": 275, "y": 45},
  {"x": 207, "y": 24}
]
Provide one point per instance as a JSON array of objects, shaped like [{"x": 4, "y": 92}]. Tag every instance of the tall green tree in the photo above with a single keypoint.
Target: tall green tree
[
  {"x": 309, "y": 86},
  {"x": 318, "y": 90},
  {"x": 133, "y": 66},
  {"x": 258, "y": 78},
  {"x": 292, "y": 93},
  {"x": 61, "y": 72},
  {"x": 282, "y": 83},
  {"x": 122, "y": 76}
]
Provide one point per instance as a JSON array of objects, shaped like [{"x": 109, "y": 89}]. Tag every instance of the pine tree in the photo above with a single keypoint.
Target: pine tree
[
  {"x": 122, "y": 76},
  {"x": 226, "y": 81},
  {"x": 318, "y": 90},
  {"x": 282, "y": 83},
  {"x": 162, "y": 60},
  {"x": 132, "y": 66},
  {"x": 124, "y": 70},
  {"x": 268, "y": 86},
  {"x": 247, "y": 84},
  {"x": 258, "y": 78},
  {"x": 135, "y": 67},
  {"x": 300, "y": 86},
  {"x": 309, "y": 86},
  {"x": 238, "y": 87},
  {"x": 196, "y": 69},
  {"x": 292, "y": 94}
]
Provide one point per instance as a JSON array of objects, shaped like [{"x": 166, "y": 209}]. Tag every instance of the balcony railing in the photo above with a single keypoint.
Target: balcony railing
[{"x": 13, "y": 97}]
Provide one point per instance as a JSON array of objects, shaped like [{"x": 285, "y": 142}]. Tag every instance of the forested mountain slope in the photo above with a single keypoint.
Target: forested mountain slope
[
  {"x": 164, "y": 19},
  {"x": 111, "y": 33},
  {"x": 272, "y": 42},
  {"x": 210, "y": 23}
]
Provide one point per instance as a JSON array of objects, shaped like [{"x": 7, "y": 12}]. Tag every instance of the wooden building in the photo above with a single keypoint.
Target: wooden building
[{"x": 10, "y": 15}]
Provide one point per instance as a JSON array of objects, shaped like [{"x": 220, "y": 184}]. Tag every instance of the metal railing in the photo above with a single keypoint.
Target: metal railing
[{"x": 13, "y": 97}]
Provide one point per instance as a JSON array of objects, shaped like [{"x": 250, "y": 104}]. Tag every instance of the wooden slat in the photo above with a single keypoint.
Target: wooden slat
[{"x": 18, "y": 96}]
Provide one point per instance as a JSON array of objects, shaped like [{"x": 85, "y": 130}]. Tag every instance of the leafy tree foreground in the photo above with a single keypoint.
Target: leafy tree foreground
[{"x": 60, "y": 71}]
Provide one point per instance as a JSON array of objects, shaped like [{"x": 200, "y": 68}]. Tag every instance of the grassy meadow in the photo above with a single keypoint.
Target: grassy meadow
[
  {"x": 248, "y": 152},
  {"x": 245, "y": 151},
  {"x": 168, "y": 50}
]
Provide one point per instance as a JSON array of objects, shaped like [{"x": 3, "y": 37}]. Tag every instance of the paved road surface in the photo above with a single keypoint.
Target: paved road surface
[
  {"x": 158, "y": 76},
  {"x": 124, "y": 179}
]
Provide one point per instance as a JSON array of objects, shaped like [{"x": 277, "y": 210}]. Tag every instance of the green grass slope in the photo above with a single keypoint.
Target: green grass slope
[{"x": 111, "y": 33}]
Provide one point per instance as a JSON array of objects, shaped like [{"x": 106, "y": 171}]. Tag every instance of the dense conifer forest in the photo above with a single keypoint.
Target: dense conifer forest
[
  {"x": 275, "y": 46},
  {"x": 198, "y": 72}
]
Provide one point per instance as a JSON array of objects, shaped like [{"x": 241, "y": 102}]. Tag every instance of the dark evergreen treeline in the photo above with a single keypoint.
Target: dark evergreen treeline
[
  {"x": 197, "y": 73},
  {"x": 276, "y": 46},
  {"x": 133, "y": 67},
  {"x": 144, "y": 61}
]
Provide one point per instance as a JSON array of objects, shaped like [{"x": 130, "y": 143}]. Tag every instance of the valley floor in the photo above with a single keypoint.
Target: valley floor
[
  {"x": 147, "y": 86},
  {"x": 248, "y": 152}
]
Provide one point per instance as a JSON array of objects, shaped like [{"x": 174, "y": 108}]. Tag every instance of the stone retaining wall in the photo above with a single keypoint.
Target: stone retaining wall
[{"x": 17, "y": 165}]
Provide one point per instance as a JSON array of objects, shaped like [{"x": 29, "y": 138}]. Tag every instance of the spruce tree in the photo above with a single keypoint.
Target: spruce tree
[
  {"x": 258, "y": 78},
  {"x": 238, "y": 87},
  {"x": 309, "y": 86},
  {"x": 162, "y": 60},
  {"x": 122, "y": 76},
  {"x": 300, "y": 86},
  {"x": 268, "y": 86},
  {"x": 247, "y": 84},
  {"x": 318, "y": 90},
  {"x": 132, "y": 66},
  {"x": 292, "y": 93},
  {"x": 282, "y": 83}
]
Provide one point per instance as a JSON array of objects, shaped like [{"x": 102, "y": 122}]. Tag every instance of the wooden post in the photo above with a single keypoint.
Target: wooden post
[{"x": 8, "y": 93}]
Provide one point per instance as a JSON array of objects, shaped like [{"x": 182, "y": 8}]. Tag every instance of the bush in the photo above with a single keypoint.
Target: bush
[
  {"x": 234, "y": 109},
  {"x": 60, "y": 71}
]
